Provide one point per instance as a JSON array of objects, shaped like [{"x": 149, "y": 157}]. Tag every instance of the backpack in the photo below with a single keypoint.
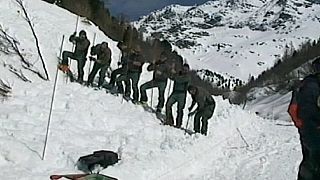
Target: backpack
[
  {"x": 293, "y": 109},
  {"x": 100, "y": 158}
]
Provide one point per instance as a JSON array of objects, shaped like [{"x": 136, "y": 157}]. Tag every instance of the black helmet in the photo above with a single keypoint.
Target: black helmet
[
  {"x": 104, "y": 43},
  {"x": 316, "y": 64},
  {"x": 82, "y": 32},
  {"x": 192, "y": 88},
  {"x": 185, "y": 65}
]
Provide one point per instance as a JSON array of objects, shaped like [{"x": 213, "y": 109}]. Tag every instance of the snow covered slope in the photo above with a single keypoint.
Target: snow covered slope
[
  {"x": 50, "y": 24},
  {"x": 85, "y": 120},
  {"x": 235, "y": 38}
]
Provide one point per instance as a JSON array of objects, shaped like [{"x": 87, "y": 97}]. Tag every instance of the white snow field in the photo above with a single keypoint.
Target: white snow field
[
  {"x": 245, "y": 51},
  {"x": 239, "y": 145}
]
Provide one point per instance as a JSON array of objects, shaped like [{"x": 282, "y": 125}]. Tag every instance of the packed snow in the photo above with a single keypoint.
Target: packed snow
[{"x": 240, "y": 145}]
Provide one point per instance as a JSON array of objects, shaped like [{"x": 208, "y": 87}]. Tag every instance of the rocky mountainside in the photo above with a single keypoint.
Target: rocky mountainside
[{"x": 234, "y": 39}]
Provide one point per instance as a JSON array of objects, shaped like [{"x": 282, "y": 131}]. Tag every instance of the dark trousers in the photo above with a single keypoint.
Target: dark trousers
[
  {"x": 309, "y": 168},
  {"x": 154, "y": 84},
  {"x": 114, "y": 75},
  {"x": 81, "y": 62},
  {"x": 102, "y": 74},
  {"x": 203, "y": 116},
  {"x": 179, "y": 98},
  {"x": 130, "y": 79}
]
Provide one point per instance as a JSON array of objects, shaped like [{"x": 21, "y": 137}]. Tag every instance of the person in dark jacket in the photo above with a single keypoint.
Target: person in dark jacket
[
  {"x": 205, "y": 109},
  {"x": 79, "y": 54},
  {"x": 122, "y": 64},
  {"x": 159, "y": 80},
  {"x": 308, "y": 99},
  {"x": 132, "y": 75},
  {"x": 179, "y": 94},
  {"x": 102, "y": 62}
]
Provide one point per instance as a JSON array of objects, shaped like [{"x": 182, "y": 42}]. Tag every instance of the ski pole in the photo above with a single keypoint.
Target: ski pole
[
  {"x": 170, "y": 81},
  {"x": 154, "y": 65},
  {"x": 73, "y": 44},
  {"x": 169, "y": 87},
  {"x": 119, "y": 59},
  {"x": 126, "y": 79},
  {"x": 127, "y": 68},
  {"x": 151, "y": 95},
  {"x": 189, "y": 116},
  {"x": 52, "y": 100},
  {"x": 94, "y": 38},
  {"x": 244, "y": 140}
]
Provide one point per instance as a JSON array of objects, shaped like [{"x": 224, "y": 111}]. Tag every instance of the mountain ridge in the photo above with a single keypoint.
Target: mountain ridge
[{"x": 226, "y": 36}]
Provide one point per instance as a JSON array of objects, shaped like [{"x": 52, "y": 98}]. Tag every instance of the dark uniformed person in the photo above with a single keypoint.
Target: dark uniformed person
[
  {"x": 179, "y": 94},
  {"x": 205, "y": 109},
  {"x": 79, "y": 54}
]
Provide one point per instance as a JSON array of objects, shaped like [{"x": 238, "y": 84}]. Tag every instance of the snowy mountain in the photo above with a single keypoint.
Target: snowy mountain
[
  {"x": 240, "y": 145},
  {"x": 233, "y": 38}
]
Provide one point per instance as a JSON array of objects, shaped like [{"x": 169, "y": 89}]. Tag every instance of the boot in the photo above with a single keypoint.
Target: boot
[
  {"x": 168, "y": 121},
  {"x": 80, "y": 80},
  {"x": 143, "y": 103},
  {"x": 64, "y": 68},
  {"x": 158, "y": 110}
]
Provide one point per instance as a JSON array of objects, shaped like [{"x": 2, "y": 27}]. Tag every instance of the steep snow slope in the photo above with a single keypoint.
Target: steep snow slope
[
  {"x": 50, "y": 23},
  {"x": 85, "y": 120},
  {"x": 236, "y": 39}
]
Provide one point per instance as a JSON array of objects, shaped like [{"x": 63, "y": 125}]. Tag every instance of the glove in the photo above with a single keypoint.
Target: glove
[
  {"x": 92, "y": 58},
  {"x": 72, "y": 38},
  {"x": 93, "y": 50}
]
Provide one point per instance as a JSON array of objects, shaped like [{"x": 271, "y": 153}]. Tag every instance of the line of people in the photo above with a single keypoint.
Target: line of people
[{"x": 128, "y": 74}]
